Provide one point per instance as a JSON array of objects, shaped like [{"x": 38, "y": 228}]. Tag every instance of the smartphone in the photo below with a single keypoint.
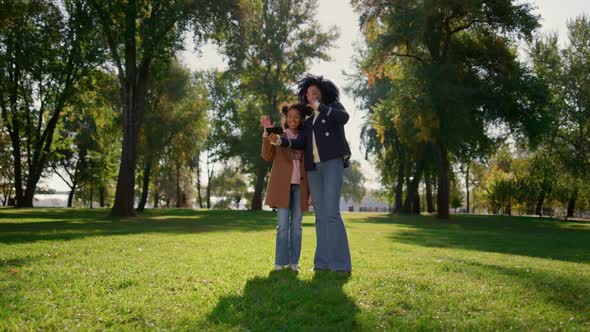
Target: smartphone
[{"x": 275, "y": 130}]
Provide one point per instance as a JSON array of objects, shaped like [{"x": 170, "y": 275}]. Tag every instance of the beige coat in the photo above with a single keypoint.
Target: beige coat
[{"x": 279, "y": 186}]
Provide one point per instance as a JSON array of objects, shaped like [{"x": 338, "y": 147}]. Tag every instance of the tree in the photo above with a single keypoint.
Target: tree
[
  {"x": 170, "y": 92},
  {"x": 6, "y": 167},
  {"x": 456, "y": 197},
  {"x": 275, "y": 51},
  {"x": 45, "y": 49},
  {"x": 353, "y": 188},
  {"x": 138, "y": 32},
  {"x": 224, "y": 101},
  {"x": 230, "y": 187},
  {"x": 567, "y": 73},
  {"x": 379, "y": 135},
  {"x": 464, "y": 71},
  {"x": 477, "y": 169},
  {"x": 78, "y": 158}
]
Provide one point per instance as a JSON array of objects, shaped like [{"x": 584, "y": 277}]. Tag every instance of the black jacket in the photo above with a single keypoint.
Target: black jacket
[{"x": 329, "y": 135}]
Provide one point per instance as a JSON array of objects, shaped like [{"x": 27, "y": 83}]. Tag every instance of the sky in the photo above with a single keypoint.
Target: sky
[{"x": 339, "y": 13}]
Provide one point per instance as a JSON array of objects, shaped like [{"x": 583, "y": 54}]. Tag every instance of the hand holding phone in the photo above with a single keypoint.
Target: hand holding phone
[{"x": 274, "y": 130}]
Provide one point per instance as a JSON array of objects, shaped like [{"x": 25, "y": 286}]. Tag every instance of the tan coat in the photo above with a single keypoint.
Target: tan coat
[{"x": 279, "y": 186}]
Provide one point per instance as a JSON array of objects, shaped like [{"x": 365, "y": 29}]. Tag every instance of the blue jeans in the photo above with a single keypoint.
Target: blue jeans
[
  {"x": 325, "y": 185},
  {"x": 289, "y": 230}
]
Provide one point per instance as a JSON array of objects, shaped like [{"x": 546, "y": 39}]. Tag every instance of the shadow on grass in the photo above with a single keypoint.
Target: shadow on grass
[
  {"x": 283, "y": 302},
  {"x": 69, "y": 224},
  {"x": 510, "y": 235}
]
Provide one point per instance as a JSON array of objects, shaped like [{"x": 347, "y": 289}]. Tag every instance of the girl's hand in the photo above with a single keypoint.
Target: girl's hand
[
  {"x": 265, "y": 122},
  {"x": 273, "y": 138},
  {"x": 309, "y": 202}
]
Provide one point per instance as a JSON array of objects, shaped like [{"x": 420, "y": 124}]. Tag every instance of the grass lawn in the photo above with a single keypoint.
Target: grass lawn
[{"x": 195, "y": 270}]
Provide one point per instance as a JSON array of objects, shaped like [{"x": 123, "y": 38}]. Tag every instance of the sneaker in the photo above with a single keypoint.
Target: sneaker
[
  {"x": 279, "y": 267},
  {"x": 294, "y": 267}
]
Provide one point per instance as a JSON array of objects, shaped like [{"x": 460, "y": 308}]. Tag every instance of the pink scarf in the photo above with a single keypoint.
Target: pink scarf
[{"x": 296, "y": 156}]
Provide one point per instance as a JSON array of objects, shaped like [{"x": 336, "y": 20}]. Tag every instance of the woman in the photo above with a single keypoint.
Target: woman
[
  {"x": 287, "y": 188},
  {"x": 326, "y": 155}
]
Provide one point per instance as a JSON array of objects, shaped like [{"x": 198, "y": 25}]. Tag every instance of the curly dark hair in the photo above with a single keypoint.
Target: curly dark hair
[
  {"x": 303, "y": 110},
  {"x": 330, "y": 93}
]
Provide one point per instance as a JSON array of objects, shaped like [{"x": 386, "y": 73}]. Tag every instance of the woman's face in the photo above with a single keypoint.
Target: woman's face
[
  {"x": 313, "y": 93},
  {"x": 293, "y": 118}
]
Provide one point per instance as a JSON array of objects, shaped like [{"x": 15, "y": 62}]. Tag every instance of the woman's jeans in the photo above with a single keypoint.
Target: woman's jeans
[
  {"x": 325, "y": 186},
  {"x": 288, "y": 247}
]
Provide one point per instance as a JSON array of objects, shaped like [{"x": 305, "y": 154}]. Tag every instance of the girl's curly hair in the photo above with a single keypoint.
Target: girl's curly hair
[
  {"x": 330, "y": 93},
  {"x": 303, "y": 110}
]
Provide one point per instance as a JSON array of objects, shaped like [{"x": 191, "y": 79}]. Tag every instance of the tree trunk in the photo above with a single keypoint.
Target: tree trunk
[
  {"x": 133, "y": 79},
  {"x": 101, "y": 196},
  {"x": 209, "y": 194},
  {"x": 27, "y": 200},
  {"x": 156, "y": 198},
  {"x": 429, "y": 203},
  {"x": 178, "y": 198},
  {"x": 71, "y": 195},
  {"x": 147, "y": 170},
  {"x": 467, "y": 185},
  {"x": 260, "y": 176},
  {"x": 125, "y": 192},
  {"x": 442, "y": 198},
  {"x": 399, "y": 186},
  {"x": 91, "y": 195},
  {"x": 134, "y": 95},
  {"x": 199, "y": 196},
  {"x": 412, "y": 203},
  {"x": 416, "y": 204},
  {"x": 571, "y": 205},
  {"x": 18, "y": 177},
  {"x": 539, "y": 208},
  {"x": 473, "y": 200},
  {"x": 209, "y": 177}
]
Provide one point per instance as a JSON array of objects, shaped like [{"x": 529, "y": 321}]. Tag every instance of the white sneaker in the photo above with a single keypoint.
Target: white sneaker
[
  {"x": 279, "y": 268},
  {"x": 294, "y": 267}
]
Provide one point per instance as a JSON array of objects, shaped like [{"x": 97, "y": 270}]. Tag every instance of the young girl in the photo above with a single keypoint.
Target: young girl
[{"x": 287, "y": 188}]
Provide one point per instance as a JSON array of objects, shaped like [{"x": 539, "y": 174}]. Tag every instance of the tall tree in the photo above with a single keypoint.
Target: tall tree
[
  {"x": 224, "y": 101},
  {"x": 88, "y": 123},
  {"x": 169, "y": 84},
  {"x": 183, "y": 129},
  {"x": 464, "y": 66},
  {"x": 46, "y": 47},
  {"x": 567, "y": 73},
  {"x": 6, "y": 167},
  {"x": 137, "y": 32}
]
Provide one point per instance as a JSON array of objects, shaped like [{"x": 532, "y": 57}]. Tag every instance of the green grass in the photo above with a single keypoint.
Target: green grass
[{"x": 210, "y": 270}]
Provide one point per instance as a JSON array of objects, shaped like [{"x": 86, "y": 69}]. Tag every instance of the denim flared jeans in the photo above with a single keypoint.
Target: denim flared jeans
[
  {"x": 289, "y": 230},
  {"x": 325, "y": 185}
]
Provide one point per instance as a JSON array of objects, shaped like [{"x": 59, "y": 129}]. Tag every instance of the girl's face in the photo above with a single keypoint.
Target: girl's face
[
  {"x": 313, "y": 93},
  {"x": 293, "y": 119}
]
